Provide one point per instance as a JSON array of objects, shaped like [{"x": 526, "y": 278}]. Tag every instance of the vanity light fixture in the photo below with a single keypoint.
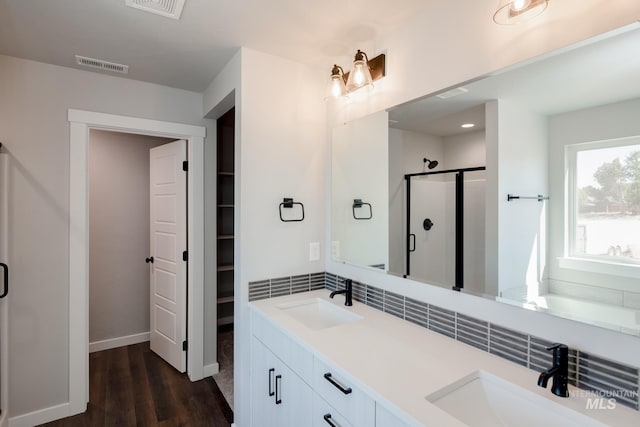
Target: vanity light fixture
[
  {"x": 467, "y": 125},
  {"x": 337, "y": 86},
  {"x": 517, "y": 11},
  {"x": 364, "y": 73}
]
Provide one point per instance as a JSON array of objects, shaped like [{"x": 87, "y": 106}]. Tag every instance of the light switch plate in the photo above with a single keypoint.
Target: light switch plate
[{"x": 314, "y": 251}]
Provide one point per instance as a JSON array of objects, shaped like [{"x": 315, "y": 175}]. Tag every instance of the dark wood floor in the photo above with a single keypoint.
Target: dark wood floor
[{"x": 132, "y": 386}]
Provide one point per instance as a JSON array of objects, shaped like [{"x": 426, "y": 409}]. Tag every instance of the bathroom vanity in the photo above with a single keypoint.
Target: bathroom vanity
[{"x": 315, "y": 362}]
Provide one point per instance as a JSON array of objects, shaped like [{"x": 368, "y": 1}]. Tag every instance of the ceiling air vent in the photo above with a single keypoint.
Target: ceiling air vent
[
  {"x": 453, "y": 92},
  {"x": 167, "y": 8},
  {"x": 102, "y": 65}
]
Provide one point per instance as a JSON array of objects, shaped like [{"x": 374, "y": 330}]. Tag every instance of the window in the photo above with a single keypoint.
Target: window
[{"x": 604, "y": 200}]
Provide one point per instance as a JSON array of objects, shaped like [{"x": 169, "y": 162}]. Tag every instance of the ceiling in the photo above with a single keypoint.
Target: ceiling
[
  {"x": 188, "y": 53},
  {"x": 598, "y": 73}
]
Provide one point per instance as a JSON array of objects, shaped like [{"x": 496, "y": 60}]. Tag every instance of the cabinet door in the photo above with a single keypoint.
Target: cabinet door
[
  {"x": 279, "y": 397},
  {"x": 263, "y": 366},
  {"x": 293, "y": 399}
]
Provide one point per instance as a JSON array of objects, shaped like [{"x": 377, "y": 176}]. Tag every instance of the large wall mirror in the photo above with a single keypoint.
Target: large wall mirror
[{"x": 523, "y": 186}]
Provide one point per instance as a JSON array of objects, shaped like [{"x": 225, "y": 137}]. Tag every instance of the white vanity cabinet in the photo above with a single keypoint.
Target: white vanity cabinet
[
  {"x": 279, "y": 397},
  {"x": 293, "y": 387}
]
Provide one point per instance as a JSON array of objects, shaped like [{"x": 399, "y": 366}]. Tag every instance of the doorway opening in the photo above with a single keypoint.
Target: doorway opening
[
  {"x": 81, "y": 123},
  {"x": 119, "y": 210},
  {"x": 225, "y": 186}
]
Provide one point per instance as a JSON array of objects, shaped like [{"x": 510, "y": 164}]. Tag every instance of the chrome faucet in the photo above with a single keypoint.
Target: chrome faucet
[
  {"x": 347, "y": 291},
  {"x": 559, "y": 371}
]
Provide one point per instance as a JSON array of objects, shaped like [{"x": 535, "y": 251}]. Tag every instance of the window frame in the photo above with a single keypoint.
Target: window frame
[{"x": 602, "y": 263}]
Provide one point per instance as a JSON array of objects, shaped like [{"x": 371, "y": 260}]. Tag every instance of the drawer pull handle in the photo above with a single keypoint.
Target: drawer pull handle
[
  {"x": 271, "y": 371},
  {"x": 327, "y": 418},
  {"x": 345, "y": 390},
  {"x": 278, "y": 381}
]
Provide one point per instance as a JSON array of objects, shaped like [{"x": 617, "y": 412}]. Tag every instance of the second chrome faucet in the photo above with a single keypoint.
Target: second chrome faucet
[{"x": 347, "y": 291}]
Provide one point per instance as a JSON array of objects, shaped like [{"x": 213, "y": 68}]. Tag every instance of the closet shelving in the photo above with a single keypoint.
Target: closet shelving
[{"x": 225, "y": 214}]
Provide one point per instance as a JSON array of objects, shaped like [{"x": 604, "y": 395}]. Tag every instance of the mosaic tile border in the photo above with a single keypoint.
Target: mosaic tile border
[
  {"x": 586, "y": 371},
  {"x": 270, "y": 288}
]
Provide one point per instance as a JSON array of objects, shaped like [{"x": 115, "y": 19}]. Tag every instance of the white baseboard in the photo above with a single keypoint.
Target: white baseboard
[
  {"x": 118, "y": 342},
  {"x": 212, "y": 369},
  {"x": 41, "y": 416}
]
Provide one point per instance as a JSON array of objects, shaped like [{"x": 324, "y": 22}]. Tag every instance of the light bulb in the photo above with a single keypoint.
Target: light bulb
[
  {"x": 518, "y": 5},
  {"x": 336, "y": 89},
  {"x": 358, "y": 74}
]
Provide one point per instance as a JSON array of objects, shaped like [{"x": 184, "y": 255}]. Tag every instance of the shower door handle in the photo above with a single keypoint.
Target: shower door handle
[
  {"x": 414, "y": 242},
  {"x": 5, "y": 275}
]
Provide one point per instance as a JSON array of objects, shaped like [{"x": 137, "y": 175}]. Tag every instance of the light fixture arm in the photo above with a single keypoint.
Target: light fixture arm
[
  {"x": 361, "y": 56},
  {"x": 338, "y": 71}
]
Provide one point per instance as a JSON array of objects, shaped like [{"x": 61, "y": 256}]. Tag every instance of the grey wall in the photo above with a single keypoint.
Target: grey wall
[
  {"x": 119, "y": 233},
  {"x": 34, "y": 99}
]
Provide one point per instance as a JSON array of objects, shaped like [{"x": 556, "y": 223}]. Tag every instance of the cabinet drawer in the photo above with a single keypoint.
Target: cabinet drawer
[
  {"x": 325, "y": 415},
  {"x": 341, "y": 393},
  {"x": 296, "y": 357}
]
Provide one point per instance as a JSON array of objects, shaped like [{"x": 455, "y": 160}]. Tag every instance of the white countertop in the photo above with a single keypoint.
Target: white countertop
[{"x": 400, "y": 363}]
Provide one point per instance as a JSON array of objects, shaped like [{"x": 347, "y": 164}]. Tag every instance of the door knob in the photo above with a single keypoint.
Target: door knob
[{"x": 149, "y": 260}]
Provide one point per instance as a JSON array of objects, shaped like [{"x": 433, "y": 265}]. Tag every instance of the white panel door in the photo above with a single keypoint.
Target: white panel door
[{"x": 168, "y": 226}]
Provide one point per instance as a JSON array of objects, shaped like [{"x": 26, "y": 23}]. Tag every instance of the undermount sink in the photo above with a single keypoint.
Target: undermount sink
[
  {"x": 482, "y": 399},
  {"x": 318, "y": 314}
]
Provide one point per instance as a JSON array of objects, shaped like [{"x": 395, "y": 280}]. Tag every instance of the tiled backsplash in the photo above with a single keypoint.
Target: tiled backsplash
[
  {"x": 286, "y": 286},
  {"x": 586, "y": 371}
]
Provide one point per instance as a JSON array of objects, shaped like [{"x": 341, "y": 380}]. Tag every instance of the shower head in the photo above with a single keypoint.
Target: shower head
[{"x": 431, "y": 163}]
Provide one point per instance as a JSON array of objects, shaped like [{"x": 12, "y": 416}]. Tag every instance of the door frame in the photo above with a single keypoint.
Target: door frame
[{"x": 80, "y": 123}]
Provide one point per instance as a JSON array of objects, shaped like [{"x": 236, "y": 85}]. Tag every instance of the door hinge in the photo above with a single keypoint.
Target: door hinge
[
  {"x": 185, "y": 255},
  {"x": 185, "y": 346},
  {"x": 185, "y": 166}
]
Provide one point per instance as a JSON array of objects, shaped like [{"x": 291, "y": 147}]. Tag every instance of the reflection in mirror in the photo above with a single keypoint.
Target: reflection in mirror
[
  {"x": 564, "y": 127},
  {"x": 360, "y": 200},
  {"x": 443, "y": 200}
]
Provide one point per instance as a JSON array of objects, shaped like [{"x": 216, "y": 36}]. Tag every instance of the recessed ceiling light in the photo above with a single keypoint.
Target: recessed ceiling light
[{"x": 468, "y": 125}]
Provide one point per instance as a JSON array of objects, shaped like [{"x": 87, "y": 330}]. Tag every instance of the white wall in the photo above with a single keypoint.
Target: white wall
[
  {"x": 522, "y": 224},
  {"x": 593, "y": 124},
  {"x": 119, "y": 233},
  {"x": 464, "y": 150},
  {"x": 475, "y": 46},
  {"x": 281, "y": 151},
  {"x": 34, "y": 99},
  {"x": 359, "y": 165}
]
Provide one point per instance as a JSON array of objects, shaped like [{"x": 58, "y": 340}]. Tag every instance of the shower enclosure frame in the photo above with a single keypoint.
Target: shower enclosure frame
[{"x": 459, "y": 229}]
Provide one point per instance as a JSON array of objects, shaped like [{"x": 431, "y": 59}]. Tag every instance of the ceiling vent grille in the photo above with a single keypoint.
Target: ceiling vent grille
[
  {"x": 167, "y": 8},
  {"x": 102, "y": 65},
  {"x": 453, "y": 92}
]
